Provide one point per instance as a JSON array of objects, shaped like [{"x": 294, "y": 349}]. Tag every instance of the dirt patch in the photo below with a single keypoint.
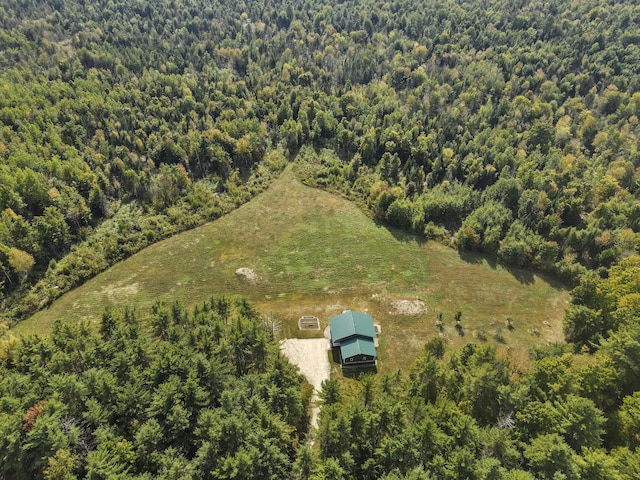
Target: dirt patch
[
  {"x": 311, "y": 357},
  {"x": 121, "y": 292},
  {"x": 248, "y": 275},
  {"x": 408, "y": 307}
]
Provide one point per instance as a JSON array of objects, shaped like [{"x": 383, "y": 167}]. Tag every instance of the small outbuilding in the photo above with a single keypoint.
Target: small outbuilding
[{"x": 354, "y": 335}]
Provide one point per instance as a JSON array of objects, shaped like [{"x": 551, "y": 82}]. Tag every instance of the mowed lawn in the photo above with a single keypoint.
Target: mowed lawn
[{"x": 318, "y": 254}]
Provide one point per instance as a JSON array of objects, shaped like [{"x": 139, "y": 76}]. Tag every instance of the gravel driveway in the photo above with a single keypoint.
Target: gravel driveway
[{"x": 310, "y": 355}]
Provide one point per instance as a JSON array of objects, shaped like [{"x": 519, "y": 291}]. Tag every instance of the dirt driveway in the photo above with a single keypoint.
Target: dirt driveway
[{"x": 310, "y": 355}]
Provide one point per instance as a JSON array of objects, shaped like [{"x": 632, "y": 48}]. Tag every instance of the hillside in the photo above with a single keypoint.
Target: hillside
[{"x": 316, "y": 253}]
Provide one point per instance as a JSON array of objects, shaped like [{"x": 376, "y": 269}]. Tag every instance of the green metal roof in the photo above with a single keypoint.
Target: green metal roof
[
  {"x": 351, "y": 323},
  {"x": 358, "y": 346}
]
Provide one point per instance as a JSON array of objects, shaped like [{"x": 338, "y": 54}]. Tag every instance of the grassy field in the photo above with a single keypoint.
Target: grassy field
[{"x": 318, "y": 254}]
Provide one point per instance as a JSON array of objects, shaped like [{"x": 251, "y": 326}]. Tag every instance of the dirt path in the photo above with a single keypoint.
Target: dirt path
[{"x": 310, "y": 355}]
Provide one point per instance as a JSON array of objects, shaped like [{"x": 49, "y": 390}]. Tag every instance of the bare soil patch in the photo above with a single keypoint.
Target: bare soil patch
[
  {"x": 408, "y": 307},
  {"x": 311, "y": 357},
  {"x": 120, "y": 292}
]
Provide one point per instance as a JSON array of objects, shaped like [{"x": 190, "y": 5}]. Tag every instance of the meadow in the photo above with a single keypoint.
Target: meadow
[{"x": 316, "y": 253}]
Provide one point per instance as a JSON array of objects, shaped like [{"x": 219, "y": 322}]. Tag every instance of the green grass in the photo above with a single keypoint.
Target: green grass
[{"x": 318, "y": 254}]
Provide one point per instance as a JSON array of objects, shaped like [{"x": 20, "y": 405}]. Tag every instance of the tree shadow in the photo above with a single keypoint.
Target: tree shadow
[
  {"x": 553, "y": 280},
  {"x": 470, "y": 257},
  {"x": 335, "y": 355},
  {"x": 359, "y": 371},
  {"x": 523, "y": 275},
  {"x": 401, "y": 235}
]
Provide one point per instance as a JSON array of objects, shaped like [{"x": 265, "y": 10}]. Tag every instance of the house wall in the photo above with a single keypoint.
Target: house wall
[{"x": 358, "y": 360}]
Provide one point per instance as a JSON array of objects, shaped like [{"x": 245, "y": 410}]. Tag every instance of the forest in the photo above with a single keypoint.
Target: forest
[{"x": 509, "y": 128}]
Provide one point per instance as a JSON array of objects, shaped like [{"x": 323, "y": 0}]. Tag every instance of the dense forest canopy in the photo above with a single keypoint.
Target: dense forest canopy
[
  {"x": 204, "y": 394},
  {"x": 507, "y": 127}
]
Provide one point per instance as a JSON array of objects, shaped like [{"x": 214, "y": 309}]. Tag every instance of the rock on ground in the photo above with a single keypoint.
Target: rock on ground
[{"x": 248, "y": 275}]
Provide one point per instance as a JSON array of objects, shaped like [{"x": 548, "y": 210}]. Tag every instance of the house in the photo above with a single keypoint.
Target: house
[{"x": 353, "y": 335}]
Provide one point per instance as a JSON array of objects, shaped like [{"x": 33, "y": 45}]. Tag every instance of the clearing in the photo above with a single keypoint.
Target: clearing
[{"x": 295, "y": 250}]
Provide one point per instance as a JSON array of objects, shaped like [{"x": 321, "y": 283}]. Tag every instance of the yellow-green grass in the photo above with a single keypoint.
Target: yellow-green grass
[{"x": 318, "y": 254}]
